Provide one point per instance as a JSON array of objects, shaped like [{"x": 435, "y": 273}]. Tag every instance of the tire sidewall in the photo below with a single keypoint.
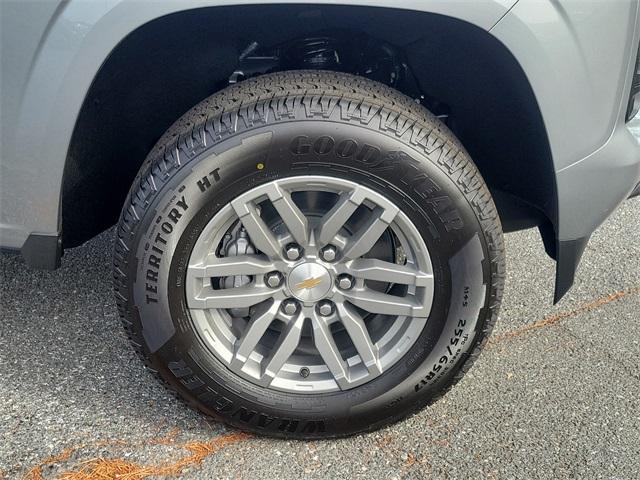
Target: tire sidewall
[{"x": 424, "y": 190}]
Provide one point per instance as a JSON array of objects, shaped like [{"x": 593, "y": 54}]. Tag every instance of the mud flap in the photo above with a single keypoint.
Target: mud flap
[{"x": 568, "y": 255}]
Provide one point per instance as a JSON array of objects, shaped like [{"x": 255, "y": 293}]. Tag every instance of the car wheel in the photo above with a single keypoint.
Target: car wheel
[{"x": 309, "y": 254}]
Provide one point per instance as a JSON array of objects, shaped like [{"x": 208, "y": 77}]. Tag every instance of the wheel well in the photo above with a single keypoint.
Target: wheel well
[{"x": 165, "y": 67}]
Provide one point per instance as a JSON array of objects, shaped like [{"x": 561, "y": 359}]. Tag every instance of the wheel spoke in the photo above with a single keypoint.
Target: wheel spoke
[
  {"x": 238, "y": 297},
  {"x": 365, "y": 239},
  {"x": 329, "y": 351},
  {"x": 374, "y": 269},
  {"x": 285, "y": 346},
  {"x": 228, "y": 266},
  {"x": 253, "y": 333},
  {"x": 383, "y": 303},
  {"x": 335, "y": 218},
  {"x": 261, "y": 236},
  {"x": 359, "y": 334},
  {"x": 295, "y": 221}
]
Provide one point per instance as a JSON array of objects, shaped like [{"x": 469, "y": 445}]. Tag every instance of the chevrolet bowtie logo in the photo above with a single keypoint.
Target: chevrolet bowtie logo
[{"x": 309, "y": 283}]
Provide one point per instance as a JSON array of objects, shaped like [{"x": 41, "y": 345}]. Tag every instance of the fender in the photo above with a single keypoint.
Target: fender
[{"x": 587, "y": 135}]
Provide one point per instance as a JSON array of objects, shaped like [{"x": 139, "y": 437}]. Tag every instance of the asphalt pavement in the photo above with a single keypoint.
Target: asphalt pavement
[{"x": 556, "y": 394}]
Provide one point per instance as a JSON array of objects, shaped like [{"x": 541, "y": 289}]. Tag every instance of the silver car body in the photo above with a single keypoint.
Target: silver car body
[{"x": 579, "y": 57}]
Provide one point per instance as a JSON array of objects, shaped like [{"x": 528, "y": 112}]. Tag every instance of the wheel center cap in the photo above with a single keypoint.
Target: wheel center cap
[{"x": 309, "y": 282}]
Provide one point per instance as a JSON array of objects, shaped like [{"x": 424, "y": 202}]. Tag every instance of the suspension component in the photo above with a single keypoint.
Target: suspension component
[{"x": 337, "y": 50}]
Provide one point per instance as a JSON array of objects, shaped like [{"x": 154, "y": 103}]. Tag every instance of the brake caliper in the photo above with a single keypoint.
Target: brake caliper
[{"x": 236, "y": 242}]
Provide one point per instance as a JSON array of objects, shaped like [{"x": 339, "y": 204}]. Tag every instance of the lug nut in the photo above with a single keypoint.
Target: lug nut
[
  {"x": 273, "y": 279},
  {"x": 345, "y": 282},
  {"x": 329, "y": 253},
  {"x": 293, "y": 251},
  {"x": 289, "y": 306},
  {"x": 325, "y": 308}
]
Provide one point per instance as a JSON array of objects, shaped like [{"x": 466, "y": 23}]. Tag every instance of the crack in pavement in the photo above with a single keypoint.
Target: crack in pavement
[
  {"x": 557, "y": 317},
  {"x": 110, "y": 468}
]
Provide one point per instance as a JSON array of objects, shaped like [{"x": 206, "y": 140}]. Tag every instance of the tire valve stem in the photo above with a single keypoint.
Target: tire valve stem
[{"x": 304, "y": 372}]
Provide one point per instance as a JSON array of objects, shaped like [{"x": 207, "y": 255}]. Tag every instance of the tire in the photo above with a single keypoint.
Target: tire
[{"x": 339, "y": 130}]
